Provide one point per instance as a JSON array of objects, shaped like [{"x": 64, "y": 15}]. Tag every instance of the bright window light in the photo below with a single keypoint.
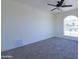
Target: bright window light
[{"x": 71, "y": 26}]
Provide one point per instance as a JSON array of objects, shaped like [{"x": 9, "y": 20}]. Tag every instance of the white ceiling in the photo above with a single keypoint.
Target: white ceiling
[{"x": 42, "y": 4}]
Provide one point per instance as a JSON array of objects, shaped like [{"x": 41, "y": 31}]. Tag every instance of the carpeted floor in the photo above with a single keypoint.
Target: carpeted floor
[{"x": 53, "y": 48}]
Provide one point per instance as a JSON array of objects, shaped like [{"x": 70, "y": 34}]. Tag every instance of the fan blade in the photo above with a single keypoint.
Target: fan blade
[
  {"x": 66, "y": 6},
  {"x": 53, "y": 9},
  {"x": 51, "y": 5}
]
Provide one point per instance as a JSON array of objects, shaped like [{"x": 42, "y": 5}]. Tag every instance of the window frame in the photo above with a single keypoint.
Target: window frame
[{"x": 70, "y": 20}]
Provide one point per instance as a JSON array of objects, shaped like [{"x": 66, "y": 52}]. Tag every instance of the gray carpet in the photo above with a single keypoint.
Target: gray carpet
[{"x": 53, "y": 48}]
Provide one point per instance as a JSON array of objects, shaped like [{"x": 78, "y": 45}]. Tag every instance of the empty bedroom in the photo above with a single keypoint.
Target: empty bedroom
[{"x": 39, "y": 29}]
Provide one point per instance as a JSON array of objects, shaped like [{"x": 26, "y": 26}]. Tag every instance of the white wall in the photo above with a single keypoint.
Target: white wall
[
  {"x": 59, "y": 22},
  {"x": 22, "y": 25}
]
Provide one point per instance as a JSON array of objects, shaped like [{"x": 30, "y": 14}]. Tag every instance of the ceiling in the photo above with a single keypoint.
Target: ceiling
[{"x": 42, "y": 4}]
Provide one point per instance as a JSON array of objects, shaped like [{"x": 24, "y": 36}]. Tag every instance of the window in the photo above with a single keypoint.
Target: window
[{"x": 71, "y": 26}]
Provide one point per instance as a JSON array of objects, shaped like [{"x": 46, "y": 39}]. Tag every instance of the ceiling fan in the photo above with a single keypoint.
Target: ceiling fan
[{"x": 59, "y": 4}]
